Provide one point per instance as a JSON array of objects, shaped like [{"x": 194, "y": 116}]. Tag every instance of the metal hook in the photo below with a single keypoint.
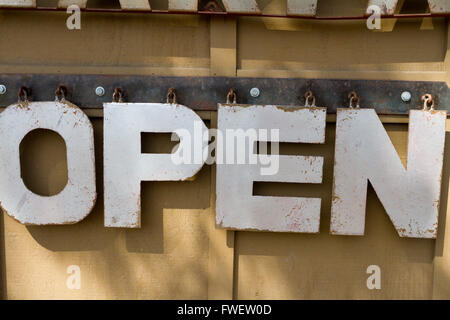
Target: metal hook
[
  {"x": 117, "y": 95},
  {"x": 231, "y": 96},
  {"x": 353, "y": 96},
  {"x": 23, "y": 94},
  {"x": 309, "y": 96},
  {"x": 428, "y": 99},
  {"x": 171, "y": 96},
  {"x": 61, "y": 91}
]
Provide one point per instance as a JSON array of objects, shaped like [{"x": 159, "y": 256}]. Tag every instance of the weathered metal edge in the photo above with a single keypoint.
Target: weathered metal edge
[{"x": 203, "y": 93}]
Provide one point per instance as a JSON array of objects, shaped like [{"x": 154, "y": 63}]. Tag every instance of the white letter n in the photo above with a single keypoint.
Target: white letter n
[{"x": 365, "y": 152}]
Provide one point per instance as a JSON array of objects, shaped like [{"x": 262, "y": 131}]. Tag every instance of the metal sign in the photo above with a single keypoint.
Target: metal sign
[
  {"x": 363, "y": 153},
  {"x": 78, "y": 197},
  {"x": 124, "y": 164},
  {"x": 236, "y": 208}
]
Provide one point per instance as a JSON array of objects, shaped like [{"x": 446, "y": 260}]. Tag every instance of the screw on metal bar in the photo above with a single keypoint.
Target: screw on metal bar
[
  {"x": 406, "y": 96},
  {"x": 310, "y": 97},
  {"x": 254, "y": 92},
  {"x": 61, "y": 91},
  {"x": 100, "y": 91},
  {"x": 354, "y": 100},
  {"x": 23, "y": 94},
  {"x": 171, "y": 96},
  {"x": 231, "y": 96},
  {"x": 428, "y": 102},
  {"x": 117, "y": 95},
  {"x": 2, "y": 89}
]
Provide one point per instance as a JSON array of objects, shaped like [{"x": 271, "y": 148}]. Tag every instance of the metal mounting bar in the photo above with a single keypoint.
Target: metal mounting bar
[{"x": 203, "y": 93}]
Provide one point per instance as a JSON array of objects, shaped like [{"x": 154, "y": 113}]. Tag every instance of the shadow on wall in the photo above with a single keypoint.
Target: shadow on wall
[
  {"x": 267, "y": 265},
  {"x": 44, "y": 169},
  {"x": 324, "y": 266}
]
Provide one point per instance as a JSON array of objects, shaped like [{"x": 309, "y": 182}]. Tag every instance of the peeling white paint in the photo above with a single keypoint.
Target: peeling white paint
[
  {"x": 365, "y": 153},
  {"x": 77, "y": 198},
  {"x": 439, "y": 6},
  {"x": 301, "y": 7},
  {"x": 18, "y": 3},
  {"x": 183, "y": 5},
  {"x": 143, "y": 5},
  {"x": 68, "y": 3},
  {"x": 236, "y": 207},
  {"x": 241, "y": 6},
  {"x": 124, "y": 164},
  {"x": 387, "y": 6}
]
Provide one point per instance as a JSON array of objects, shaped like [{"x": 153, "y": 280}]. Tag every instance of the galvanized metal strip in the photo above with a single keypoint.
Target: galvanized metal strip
[
  {"x": 18, "y": 3},
  {"x": 387, "y": 7},
  {"x": 301, "y": 7},
  {"x": 183, "y": 5},
  {"x": 203, "y": 93},
  {"x": 241, "y": 6},
  {"x": 439, "y": 6},
  {"x": 143, "y": 5},
  {"x": 68, "y": 3}
]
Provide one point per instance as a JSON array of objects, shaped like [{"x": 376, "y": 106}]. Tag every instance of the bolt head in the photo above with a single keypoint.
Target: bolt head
[
  {"x": 254, "y": 92},
  {"x": 100, "y": 91},
  {"x": 2, "y": 89},
  {"x": 406, "y": 96}
]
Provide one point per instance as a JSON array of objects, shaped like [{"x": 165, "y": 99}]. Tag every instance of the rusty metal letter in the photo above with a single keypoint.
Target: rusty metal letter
[
  {"x": 77, "y": 198},
  {"x": 143, "y": 5},
  {"x": 301, "y": 7},
  {"x": 439, "y": 6},
  {"x": 124, "y": 164},
  {"x": 68, "y": 3},
  {"x": 241, "y": 6},
  {"x": 364, "y": 153},
  {"x": 18, "y": 3},
  {"x": 237, "y": 208},
  {"x": 387, "y": 7},
  {"x": 183, "y": 5}
]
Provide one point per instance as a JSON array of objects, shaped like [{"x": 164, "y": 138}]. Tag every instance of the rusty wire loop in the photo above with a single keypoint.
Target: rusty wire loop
[
  {"x": 211, "y": 6},
  {"x": 231, "y": 97},
  {"x": 428, "y": 102},
  {"x": 23, "y": 94},
  {"x": 171, "y": 96},
  {"x": 117, "y": 95},
  {"x": 61, "y": 91},
  {"x": 310, "y": 97},
  {"x": 354, "y": 100}
]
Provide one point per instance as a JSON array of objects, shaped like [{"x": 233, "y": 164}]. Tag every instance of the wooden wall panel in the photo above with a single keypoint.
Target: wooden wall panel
[
  {"x": 106, "y": 44},
  {"x": 344, "y": 49},
  {"x": 179, "y": 253},
  {"x": 324, "y": 266}
]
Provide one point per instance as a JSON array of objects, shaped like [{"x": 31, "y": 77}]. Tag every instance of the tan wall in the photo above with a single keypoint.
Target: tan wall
[{"x": 178, "y": 253}]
